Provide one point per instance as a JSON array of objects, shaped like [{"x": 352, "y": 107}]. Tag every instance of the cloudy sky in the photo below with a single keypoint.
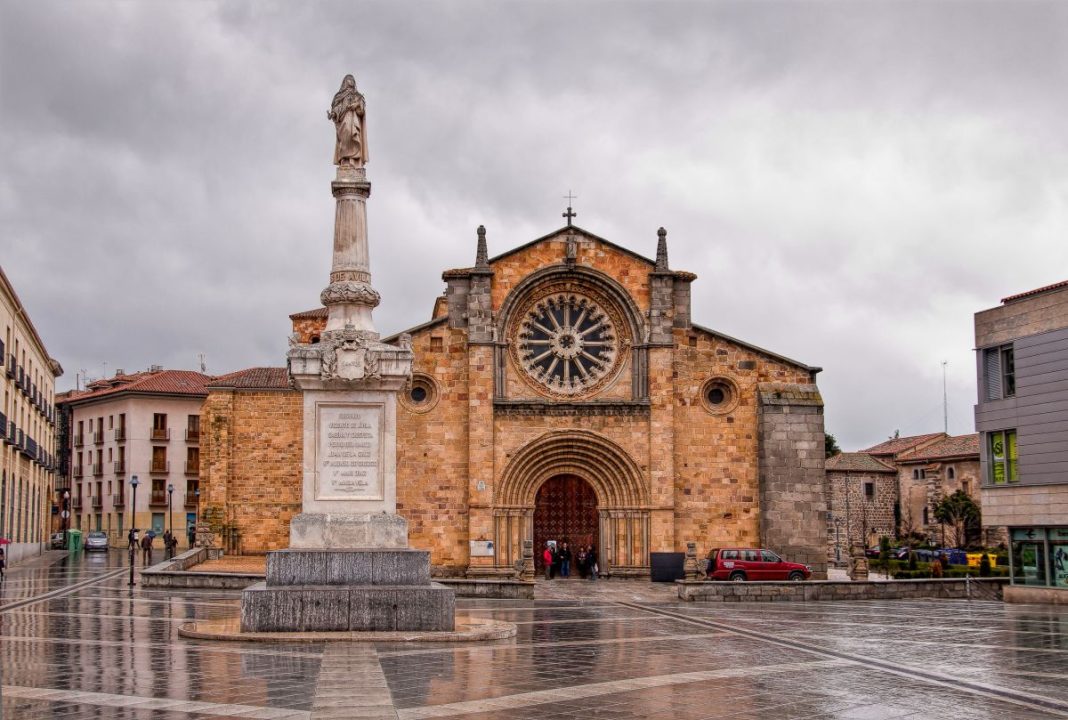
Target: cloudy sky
[{"x": 850, "y": 181}]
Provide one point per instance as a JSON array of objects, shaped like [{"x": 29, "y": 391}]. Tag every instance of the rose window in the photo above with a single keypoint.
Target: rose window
[{"x": 566, "y": 343}]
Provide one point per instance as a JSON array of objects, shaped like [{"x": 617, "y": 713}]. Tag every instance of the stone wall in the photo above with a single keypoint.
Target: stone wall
[
  {"x": 793, "y": 484},
  {"x": 251, "y": 464},
  {"x": 862, "y": 519},
  {"x": 959, "y": 589}
]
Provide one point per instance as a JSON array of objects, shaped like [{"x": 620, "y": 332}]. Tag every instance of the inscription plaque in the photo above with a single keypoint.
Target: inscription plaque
[{"x": 350, "y": 452}]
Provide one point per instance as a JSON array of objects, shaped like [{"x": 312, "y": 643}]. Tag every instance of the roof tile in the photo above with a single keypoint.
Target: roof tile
[{"x": 857, "y": 462}]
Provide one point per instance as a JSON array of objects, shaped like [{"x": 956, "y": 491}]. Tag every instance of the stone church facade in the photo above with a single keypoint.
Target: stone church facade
[{"x": 560, "y": 392}]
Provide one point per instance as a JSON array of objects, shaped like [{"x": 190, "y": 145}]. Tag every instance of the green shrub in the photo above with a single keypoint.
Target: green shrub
[{"x": 912, "y": 560}]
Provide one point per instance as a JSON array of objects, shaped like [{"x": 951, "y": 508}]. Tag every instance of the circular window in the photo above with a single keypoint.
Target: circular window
[
  {"x": 421, "y": 394},
  {"x": 567, "y": 344},
  {"x": 719, "y": 395}
]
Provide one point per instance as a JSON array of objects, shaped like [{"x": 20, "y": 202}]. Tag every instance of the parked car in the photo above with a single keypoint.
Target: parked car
[
  {"x": 58, "y": 542},
  {"x": 740, "y": 564},
  {"x": 96, "y": 540}
]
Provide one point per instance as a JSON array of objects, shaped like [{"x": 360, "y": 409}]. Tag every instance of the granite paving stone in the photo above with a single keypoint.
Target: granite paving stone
[{"x": 77, "y": 642}]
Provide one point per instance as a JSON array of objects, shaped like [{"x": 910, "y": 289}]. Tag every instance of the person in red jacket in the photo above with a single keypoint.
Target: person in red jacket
[{"x": 549, "y": 559}]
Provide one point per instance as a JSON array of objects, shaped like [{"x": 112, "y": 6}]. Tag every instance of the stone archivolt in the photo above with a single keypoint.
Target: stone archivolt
[{"x": 614, "y": 476}]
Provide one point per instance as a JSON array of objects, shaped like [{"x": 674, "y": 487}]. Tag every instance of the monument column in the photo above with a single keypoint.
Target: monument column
[{"x": 348, "y": 566}]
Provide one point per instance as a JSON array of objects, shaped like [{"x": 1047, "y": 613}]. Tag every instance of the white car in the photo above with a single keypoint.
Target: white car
[{"x": 96, "y": 540}]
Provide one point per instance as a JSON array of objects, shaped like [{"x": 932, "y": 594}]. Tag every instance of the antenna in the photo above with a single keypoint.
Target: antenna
[
  {"x": 945, "y": 401},
  {"x": 203, "y": 367}
]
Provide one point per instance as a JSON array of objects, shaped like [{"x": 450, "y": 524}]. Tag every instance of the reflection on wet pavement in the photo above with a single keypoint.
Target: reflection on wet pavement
[{"x": 97, "y": 648}]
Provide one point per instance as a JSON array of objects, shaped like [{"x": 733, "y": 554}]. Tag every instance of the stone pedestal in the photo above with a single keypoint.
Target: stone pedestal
[{"x": 347, "y": 590}]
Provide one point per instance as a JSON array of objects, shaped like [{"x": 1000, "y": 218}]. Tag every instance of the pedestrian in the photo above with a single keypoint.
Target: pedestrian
[
  {"x": 146, "y": 549},
  {"x": 581, "y": 561},
  {"x": 166, "y": 544},
  {"x": 131, "y": 539},
  {"x": 565, "y": 561},
  {"x": 591, "y": 560},
  {"x": 191, "y": 533},
  {"x": 547, "y": 558},
  {"x": 3, "y": 562}
]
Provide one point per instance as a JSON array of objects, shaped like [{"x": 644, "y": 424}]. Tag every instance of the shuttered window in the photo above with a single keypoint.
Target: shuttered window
[
  {"x": 1003, "y": 457},
  {"x": 999, "y": 369}
]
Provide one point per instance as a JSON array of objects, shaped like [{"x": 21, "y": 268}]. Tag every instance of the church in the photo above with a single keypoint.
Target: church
[{"x": 560, "y": 391}]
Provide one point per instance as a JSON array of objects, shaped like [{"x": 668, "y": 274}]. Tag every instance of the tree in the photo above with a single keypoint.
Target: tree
[
  {"x": 959, "y": 511},
  {"x": 831, "y": 445}
]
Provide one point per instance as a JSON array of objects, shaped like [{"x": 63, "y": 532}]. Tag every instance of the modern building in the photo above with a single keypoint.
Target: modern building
[
  {"x": 561, "y": 391},
  {"x": 144, "y": 425},
  {"x": 1022, "y": 419},
  {"x": 27, "y": 426}
]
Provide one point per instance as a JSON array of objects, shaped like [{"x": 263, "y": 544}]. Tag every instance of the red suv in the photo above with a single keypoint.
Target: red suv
[{"x": 741, "y": 564}]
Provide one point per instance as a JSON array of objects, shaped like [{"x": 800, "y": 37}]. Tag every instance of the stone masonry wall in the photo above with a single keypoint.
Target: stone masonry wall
[
  {"x": 251, "y": 464},
  {"x": 716, "y": 483},
  {"x": 793, "y": 484},
  {"x": 863, "y": 519}
]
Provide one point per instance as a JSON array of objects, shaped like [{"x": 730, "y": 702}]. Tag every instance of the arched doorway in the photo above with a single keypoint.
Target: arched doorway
[{"x": 565, "y": 510}]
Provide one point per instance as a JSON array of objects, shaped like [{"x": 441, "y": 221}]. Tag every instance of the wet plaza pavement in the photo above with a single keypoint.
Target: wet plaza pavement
[{"x": 77, "y": 642}]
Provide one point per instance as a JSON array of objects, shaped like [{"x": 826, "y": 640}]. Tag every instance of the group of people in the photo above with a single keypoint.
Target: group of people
[
  {"x": 558, "y": 561},
  {"x": 170, "y": 545}
]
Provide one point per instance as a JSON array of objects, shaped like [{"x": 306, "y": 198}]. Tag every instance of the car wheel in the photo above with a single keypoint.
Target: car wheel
[
  {"x": 737, "y": 577},
  {"x": 796, "y": 577}
]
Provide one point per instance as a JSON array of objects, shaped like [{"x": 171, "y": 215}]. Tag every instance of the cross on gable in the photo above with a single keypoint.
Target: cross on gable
[{"x": 570, "y": 213}]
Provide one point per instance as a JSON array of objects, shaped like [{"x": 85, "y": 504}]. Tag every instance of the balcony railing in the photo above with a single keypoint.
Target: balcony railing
[
  {"x": 98, "y": 501},
  {"x": 158, "y": 498},
  {"x": 76, "y": 502},
  {"x": 119, "y": 501},
  {"x": 192, "y": 467},
  {"x": 190, "y": 501},
  {"x": 120, "y": 467},
  {"x": 160, "y": 434},
  {"x": 78, "y": 471},
  {"x": 192, "y": 435},
  {"x": 120, "y": 434},
  {"x": 98, "y": 437},
  {"x": 79, "y": 440},
  {"x": 98, "y": 469},
  {"x": 160, "y": 466}
]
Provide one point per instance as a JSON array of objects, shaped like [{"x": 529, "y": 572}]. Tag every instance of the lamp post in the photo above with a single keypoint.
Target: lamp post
[
  {"x": 66, "y": 516},
  {"x": 837, "y": 543},
  {"x": 133, "y": 526},
  {"x": 170, "y": 519}
]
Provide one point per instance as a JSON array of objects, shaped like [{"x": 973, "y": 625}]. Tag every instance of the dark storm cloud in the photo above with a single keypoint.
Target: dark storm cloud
[{"x": 851, "y": 181}]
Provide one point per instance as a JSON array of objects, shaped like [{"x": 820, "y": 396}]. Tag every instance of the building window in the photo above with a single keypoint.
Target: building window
[
  {"x": 999, "y": 367},
  {"x": 1003, "y": 456},
  {"x": 966, "y": 487},
  {"x": 919, "y": 474},
  {"x": 436, "y": 344},
  {"x": 926, "y": 516},
  {"x": 159, "y": 427},
  {"x": 869, "y": 490},
  {"x": 159, "y": 460},
  {"x": 951, "y": 474}
]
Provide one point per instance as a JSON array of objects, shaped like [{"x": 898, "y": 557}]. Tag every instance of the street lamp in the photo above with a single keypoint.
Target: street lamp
[
  {"x": 170, "y": 519},
  {"x": 837, "y": 545},
  {"x": 133, "y": 526}
]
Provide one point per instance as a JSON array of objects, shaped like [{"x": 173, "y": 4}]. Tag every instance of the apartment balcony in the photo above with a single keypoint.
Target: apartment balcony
[
  {"x": 76, "y": 502},
  {"x": 192, "y": 436},
  {"x": 192, "y": 468},
  {"x": 78, "y": 471},
  {"x": 62, "y": 484},
  {"x": 158, "y": 498},
  {"x": 98, "y": 469},
  {"x": 11, "y": 365},
  {"x": 98, "y": 501},
  {"x": 162, "y": 434},
  {"x": 79, "y": 440},
  {"x": 160, "y": 466},
  {"x": 120, "y": 467},
  {"x": 119, "y": 501},
  {"x": 3, "y": 426},
  {"x": 120, "y": 434},
  {"x": 190, "y": 501},
  {"x": 98, "y": 437}
]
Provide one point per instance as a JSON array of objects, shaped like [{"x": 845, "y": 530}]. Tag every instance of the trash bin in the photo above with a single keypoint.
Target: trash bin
[{"x": 74, "y": 540}]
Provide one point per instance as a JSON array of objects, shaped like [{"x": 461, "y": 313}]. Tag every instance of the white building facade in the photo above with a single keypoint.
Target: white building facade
[{"x": 144, "y": 425}]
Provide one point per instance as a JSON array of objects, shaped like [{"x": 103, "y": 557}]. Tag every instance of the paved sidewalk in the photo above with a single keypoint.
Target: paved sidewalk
[{"x": 79, "y": 643}]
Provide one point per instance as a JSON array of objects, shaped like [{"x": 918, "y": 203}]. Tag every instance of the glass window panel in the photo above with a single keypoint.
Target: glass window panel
[
  {"x": 1029, "y": 565},
  {"x": 1058, "y": 561}
]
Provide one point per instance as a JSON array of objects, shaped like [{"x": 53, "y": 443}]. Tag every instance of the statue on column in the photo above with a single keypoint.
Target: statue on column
[{"x": 349, "y": 114}]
